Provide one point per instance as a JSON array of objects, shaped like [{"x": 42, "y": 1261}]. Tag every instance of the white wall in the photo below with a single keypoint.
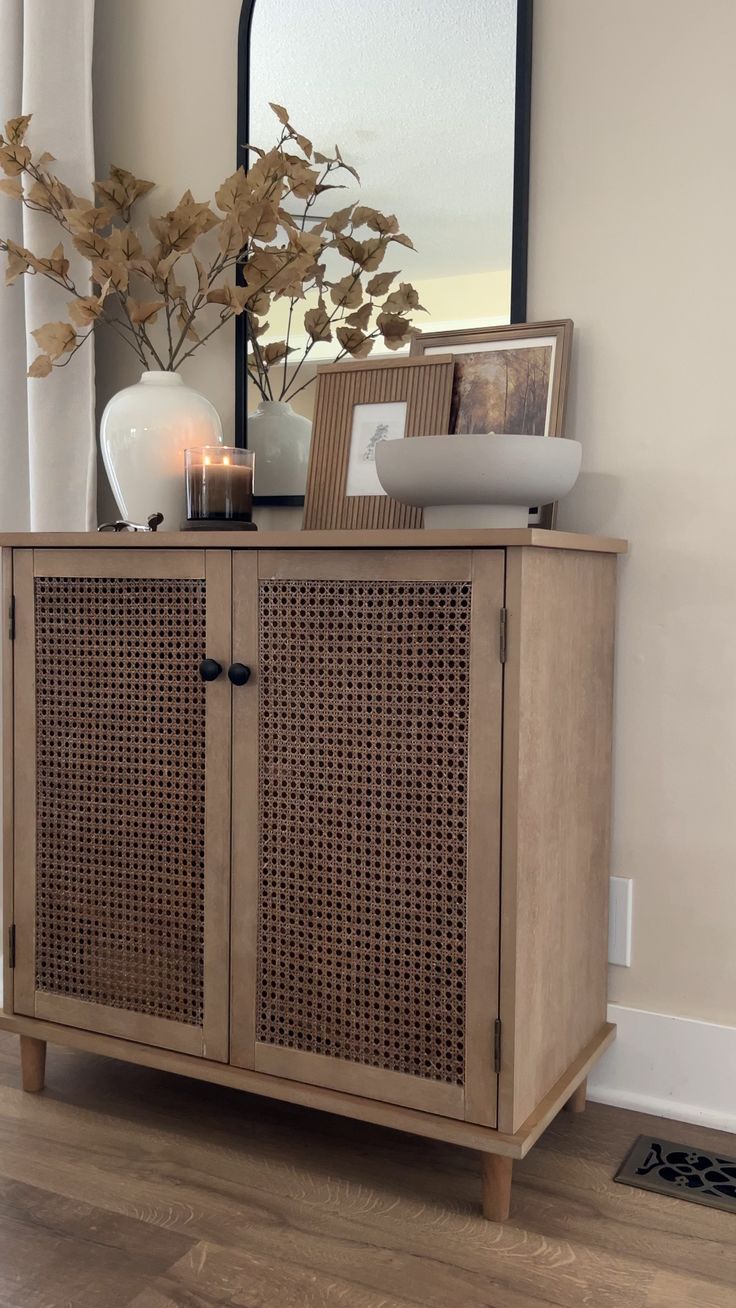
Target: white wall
[{"x": 632, "y": 235}]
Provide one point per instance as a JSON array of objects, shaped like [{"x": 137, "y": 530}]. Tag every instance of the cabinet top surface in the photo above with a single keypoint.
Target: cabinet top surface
[{"x": 416, "y": 538}]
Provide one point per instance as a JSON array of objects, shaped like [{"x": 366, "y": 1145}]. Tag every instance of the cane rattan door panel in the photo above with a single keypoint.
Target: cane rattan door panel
[
  {"x": 121, "y": 868},
  {"x": 360, "y": 974}
]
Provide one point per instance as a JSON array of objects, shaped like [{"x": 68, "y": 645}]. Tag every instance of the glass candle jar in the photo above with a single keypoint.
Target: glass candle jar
[{"x": 219, "y": 482}]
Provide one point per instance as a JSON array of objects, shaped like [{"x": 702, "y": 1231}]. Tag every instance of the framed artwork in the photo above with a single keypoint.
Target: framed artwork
[
  {"x": 358, "y": 405},
  {"x": 507, "y": 379}
]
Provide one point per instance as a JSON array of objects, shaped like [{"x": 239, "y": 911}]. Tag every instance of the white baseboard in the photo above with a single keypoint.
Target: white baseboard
[{"x": 669, "y": 1066}]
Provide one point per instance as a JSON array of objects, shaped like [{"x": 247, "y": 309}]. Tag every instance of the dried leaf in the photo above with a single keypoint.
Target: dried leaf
[
  {"x": 348, "y": 292},
  {"x": 317, "y": 324},
  {"x": 259, "y": 222},
  {"x": 257, "y": 328},
  {"x": 41, "y": 366},
  {"x": 233, "y": 297},
  {"x": 121, "y": 189},
  {"x": 55, "y": 263},
  {"x": 354, "y": 342},
  {"x": 202, "y": 278},
  {"x": 339, "y": 219},
  {"x": 395, "y": 330},
  {"x": 230, "y": 236},
  {"x": 281, "y": 113},
  {"x": 126, "y": 242},
  {"x": 18, "y": 262},
  {"x": 367, "y": 254},
  {"x": 142, "y": 266},
  {"x": 377, "y": 221},
  {"x": 406, "y": 297},
  {"x": 115, "y": 271},
  {"x": 379, "y": 284},
  {"x": 235, "y": 190},
  {"x": 91, "y": 245},
  {"x": 164, "y": 267},
  {"x": 14, "y": 158},
  {"x": 275, "y": 351},
  {"x": 144, "y": 311},
  {"x": 81, "y": 221},
  {"x": 304, "y": 144},
  {"x": 46, "y": 158},
  {"x": 348, "y": 167},
  {"x": 258, "y": 302},
  {"x": 182, "y": 318},
  {"x": 86, "y": 310},
  {"x": 13, "y": 187},
  {"x": 401, "y": 239},
  {"x": 55, "y": 338},
  {"x": 361, "y": 317},
  {"x": 16, "y": 128}
]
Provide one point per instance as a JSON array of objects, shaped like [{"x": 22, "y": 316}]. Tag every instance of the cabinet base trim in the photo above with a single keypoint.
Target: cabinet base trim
[{"x": 486, "y": 1139}]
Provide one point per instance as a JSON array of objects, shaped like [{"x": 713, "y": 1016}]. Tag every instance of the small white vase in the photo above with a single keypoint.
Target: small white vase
[
  {"x": 144, "y": 432},
  {"x": 280, "y": 439}
]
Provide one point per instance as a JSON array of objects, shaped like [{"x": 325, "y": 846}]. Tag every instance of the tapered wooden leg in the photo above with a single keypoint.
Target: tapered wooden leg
[
  {"x": 497, "y": 1172},
  {"x": 32, "y": 1063},
  {"x": 577, "y": 1100}
]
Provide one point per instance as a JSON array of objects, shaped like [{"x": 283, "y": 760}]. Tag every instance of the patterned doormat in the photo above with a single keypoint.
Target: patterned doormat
[{"x": 681, "y": 1172}]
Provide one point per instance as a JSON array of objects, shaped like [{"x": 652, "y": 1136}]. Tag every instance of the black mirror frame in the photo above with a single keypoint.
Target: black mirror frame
[{"x": 520, "y": 222}]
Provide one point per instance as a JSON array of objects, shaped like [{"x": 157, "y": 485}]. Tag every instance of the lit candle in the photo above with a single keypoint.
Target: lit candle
[{"x": 219, "y": 483}]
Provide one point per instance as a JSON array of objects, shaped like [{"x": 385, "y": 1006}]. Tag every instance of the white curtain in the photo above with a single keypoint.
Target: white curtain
[{"x": 47, "y": 426}]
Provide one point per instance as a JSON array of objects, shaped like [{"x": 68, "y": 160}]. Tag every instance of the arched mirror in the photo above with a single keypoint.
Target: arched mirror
[{"x": 429, "y": 101}]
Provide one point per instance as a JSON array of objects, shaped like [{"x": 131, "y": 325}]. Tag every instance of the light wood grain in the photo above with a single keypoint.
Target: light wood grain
[
  {"x": 556, "y": 817},
  {"x": 264, "y": 1203},
  {"x": 112, "y": 1021},
  {"x": 484, "y": 837},
  {"x": 139, "y": 1027},
  {"x": 216, "y": 1026},
  {"x": 430, "y": 1125},
  {"x": 361, "y": 565},
  {"x": 475, "y": 538},
  {"x": 424, "y": 385},
  {"x": 100, "y": 563},
  {"x": 32, "y": 1064},
  {"x": 244, "y": 813},
  {"x": 23, "y": 867},
  {"x": 6, "y": 726},
  {"x": 359, "y": 1079},
  {"x": 496, "y": 1173},
  {"x": 578, "y": 1099}
]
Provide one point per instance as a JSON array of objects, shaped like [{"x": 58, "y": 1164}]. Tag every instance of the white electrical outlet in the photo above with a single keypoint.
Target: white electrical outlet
[{"x": 619, "y": 921}]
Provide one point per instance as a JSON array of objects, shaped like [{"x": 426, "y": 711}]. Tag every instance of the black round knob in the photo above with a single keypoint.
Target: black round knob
[
  {"x": 238, "y": 673},
  {"x": 210, "y": 669}
]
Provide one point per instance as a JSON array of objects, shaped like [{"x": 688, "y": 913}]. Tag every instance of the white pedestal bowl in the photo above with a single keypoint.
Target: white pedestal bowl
[{"x": 480, "y": 480}]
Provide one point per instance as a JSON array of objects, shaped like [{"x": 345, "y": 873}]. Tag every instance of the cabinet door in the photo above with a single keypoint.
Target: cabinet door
[
  {"x": 122, "y": 793},
  {"x": 366, "y": 753}
]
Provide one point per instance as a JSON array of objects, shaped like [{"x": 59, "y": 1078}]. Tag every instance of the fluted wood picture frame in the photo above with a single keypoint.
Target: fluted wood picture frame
[{"x": 358, "y": 404}]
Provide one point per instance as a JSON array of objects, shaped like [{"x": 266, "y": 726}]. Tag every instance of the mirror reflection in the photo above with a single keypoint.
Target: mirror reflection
[{"x": 420, "y": 98}]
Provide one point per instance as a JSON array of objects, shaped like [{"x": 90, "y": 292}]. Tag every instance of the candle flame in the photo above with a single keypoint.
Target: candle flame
[
  {"x": 206, "y": 458},
  {"x": 226, "y": 459}
]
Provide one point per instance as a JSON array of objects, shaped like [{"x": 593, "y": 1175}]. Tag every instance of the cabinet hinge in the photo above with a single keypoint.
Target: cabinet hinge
[
  {"x": 497, "y": 1046},
  {"x": 502, "y": 630},
  {"x": 11, "y": 946},
  {"x": 11, "y": 618}
]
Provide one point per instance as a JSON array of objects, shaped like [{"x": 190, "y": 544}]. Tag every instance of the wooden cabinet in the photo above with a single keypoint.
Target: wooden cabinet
[{"x": 364, "y": 866}]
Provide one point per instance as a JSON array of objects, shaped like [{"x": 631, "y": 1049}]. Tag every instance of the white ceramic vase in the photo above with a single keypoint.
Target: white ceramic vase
[
  {"x": 144, "y": 432},
  {"x": 280, "y": 439}
]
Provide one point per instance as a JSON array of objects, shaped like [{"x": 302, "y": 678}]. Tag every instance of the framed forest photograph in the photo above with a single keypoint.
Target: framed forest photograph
[{"x": 507, "y": 379}]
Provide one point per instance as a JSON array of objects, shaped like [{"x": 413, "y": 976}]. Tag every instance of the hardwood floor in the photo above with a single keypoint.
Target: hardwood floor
[{"x": 123, "y": 1187}]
